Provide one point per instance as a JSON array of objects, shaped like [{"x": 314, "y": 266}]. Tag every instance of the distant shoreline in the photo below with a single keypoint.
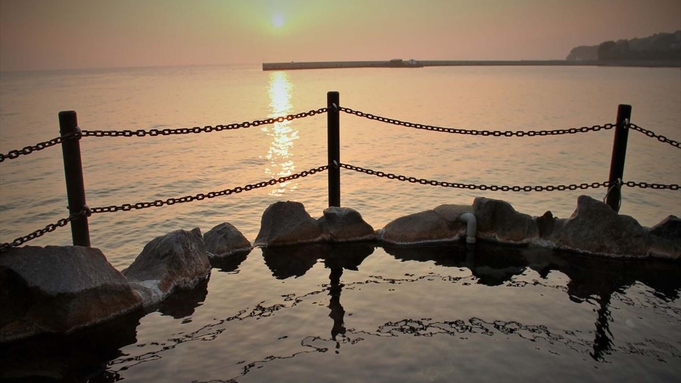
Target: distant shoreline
[{"x": 294, "y": 65}]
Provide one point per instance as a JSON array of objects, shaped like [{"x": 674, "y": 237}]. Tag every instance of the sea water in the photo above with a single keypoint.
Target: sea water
[{"x": 441, "y": 314}]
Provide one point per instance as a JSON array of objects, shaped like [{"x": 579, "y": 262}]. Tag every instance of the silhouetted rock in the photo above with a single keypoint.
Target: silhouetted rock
[
  {"x": 177, "y": 260},
  {"x": 342, "y": 224},
  {"x": 224, "y": 240},
  {"x": 595, "y": 228},
  {"x": 58, "y": 289},
  {"x": 499, "y": 221},
  {"x": 81, "y": 356},
  {"x": 669, "y": 228},
  {"x": 439, "y": 225},
  {"x": 665, "y": 238},
  {"x": 287, "y": 223},
  {"x": 545, "y": 224}
]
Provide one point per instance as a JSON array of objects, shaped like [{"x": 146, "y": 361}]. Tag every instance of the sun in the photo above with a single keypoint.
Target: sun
[{"x": 277, "y": 20}]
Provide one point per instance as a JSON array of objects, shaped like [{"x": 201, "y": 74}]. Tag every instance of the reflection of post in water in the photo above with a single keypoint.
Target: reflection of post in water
[
  {"x": 603, "y": 340},
  {"x": 337, "y": 312}
]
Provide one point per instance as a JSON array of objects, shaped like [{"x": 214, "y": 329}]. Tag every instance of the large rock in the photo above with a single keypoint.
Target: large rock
[
  {"x": 174, "y": 261},
  {"x": 224, "y": 240},
  {"x": 438, "y": 225},
  {"x": 664, "y": 239},
  {"x": 499, "y": 221},
  {"x": 342, "y": 224},
  {"x": 58, "y": 289},
  {"x": 287, "y": 223},
  {"x": 669, "y": 228},
  {"x": 595, "y": 228}
]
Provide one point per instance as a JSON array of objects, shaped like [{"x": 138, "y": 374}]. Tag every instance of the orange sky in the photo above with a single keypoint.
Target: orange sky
[{"x": 68, "y": 34}]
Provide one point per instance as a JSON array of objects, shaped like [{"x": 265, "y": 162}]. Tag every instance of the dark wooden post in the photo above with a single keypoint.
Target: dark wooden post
[
  {"x": 73, "y": 172},
  {"x": 333, "y": 141},
  {"x": 619, "y": 151}
]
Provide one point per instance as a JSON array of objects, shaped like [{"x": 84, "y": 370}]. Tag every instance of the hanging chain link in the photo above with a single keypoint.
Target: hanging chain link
[
  {"x": 650, "y": 185},
  {"x": 506, "y": 188},
  {"x": 12, "y": 154},
  {"x": 158, "y": 203},
  {"x": 198, "y": 129},
  {"x": 652, "y": 134},
  {"x": 47, "y": 229},
  {"x": 202, "y": 196},
  {"x": 485, "y": 133}
]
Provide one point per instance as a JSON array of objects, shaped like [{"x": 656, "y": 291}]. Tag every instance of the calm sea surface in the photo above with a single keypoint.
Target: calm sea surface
[{"x": 355, "y": 313}]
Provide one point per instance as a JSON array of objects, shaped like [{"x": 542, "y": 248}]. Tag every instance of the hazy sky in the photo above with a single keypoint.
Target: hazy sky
[{"x": 65, "y": 34}]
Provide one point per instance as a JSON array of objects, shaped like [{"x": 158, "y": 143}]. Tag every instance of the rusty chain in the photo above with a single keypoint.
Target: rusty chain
[
  {"x": 12, "y": 154},
  {"x": 198, "y": 129},
  {"x": 485, "y": 133},
  {"x": 652, "y": 134},
  {"x": 505, "y": 188},
  {"x": 158, "y": 203},
  {"x": 202, "y": 196},
  {"x": 47, "y": 229},
  {"x": 650, "y": 185},
  {"x": 456, "y": 185}
]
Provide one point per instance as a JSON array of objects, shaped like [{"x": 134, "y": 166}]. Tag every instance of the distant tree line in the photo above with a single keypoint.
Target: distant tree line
[{"x": 658, "y": 47}]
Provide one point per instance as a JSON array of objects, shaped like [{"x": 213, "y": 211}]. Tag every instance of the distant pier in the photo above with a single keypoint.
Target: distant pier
[{"x": 398, "y": 63}]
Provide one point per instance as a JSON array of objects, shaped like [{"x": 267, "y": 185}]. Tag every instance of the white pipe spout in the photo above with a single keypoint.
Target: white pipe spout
[{"x": 471, "y": 226}]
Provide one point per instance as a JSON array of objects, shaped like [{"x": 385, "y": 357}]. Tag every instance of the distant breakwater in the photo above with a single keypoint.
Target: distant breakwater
[{"x": 397, "y": 63}]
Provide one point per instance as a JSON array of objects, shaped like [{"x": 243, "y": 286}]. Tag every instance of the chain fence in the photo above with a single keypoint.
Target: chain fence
[
  {"x": 47, "y": 229},
  {"x": 157, "y": 203},
  {"x": 198, "y": 129},
  {"x": 13, "y": 154},
  {"x": 505, "y": 188},
  {"x": 508, "y": 133},
  {"x": 26, "y": 150},
  {"x": 659, "y": 137},
  {"x": 484, "y": 133}
]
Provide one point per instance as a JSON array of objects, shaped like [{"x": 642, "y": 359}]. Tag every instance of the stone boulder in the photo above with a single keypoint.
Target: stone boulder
[
  {"x": 58, "y": 289},
  {"x": 287, "y": 223},
  {"x": 499, "y": 221},
  {"x": 342, "y": 224},
  {"x": 664, "y": 239},
  {"x": 177, "y": 260},
  {"x": 224, "y": 240},
  {"x": 595, "y": 228},
  {"x": 430, "y": 226},
  {"x": 669, "y": 228}
]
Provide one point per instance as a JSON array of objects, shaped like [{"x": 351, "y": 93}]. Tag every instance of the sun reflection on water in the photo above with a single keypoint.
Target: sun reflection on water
[{"x": 280, "y": 153}]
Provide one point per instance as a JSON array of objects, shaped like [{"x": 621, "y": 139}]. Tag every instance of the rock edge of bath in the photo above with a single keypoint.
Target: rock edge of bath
[{"x": 60, "y": 289}]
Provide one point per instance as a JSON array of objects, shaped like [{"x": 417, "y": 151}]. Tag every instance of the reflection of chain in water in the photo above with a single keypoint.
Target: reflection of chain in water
[{"x": 427, "y": 327}]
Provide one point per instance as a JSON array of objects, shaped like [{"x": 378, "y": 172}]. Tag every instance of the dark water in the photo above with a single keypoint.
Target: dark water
[{"x": 358, "y": 313}]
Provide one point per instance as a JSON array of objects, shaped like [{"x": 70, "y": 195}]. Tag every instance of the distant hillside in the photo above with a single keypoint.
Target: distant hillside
[{"x": 658, "y": 47}]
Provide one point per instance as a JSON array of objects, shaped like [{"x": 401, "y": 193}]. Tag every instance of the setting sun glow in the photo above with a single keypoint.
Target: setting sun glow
[{"x": 277, "y": 20}]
